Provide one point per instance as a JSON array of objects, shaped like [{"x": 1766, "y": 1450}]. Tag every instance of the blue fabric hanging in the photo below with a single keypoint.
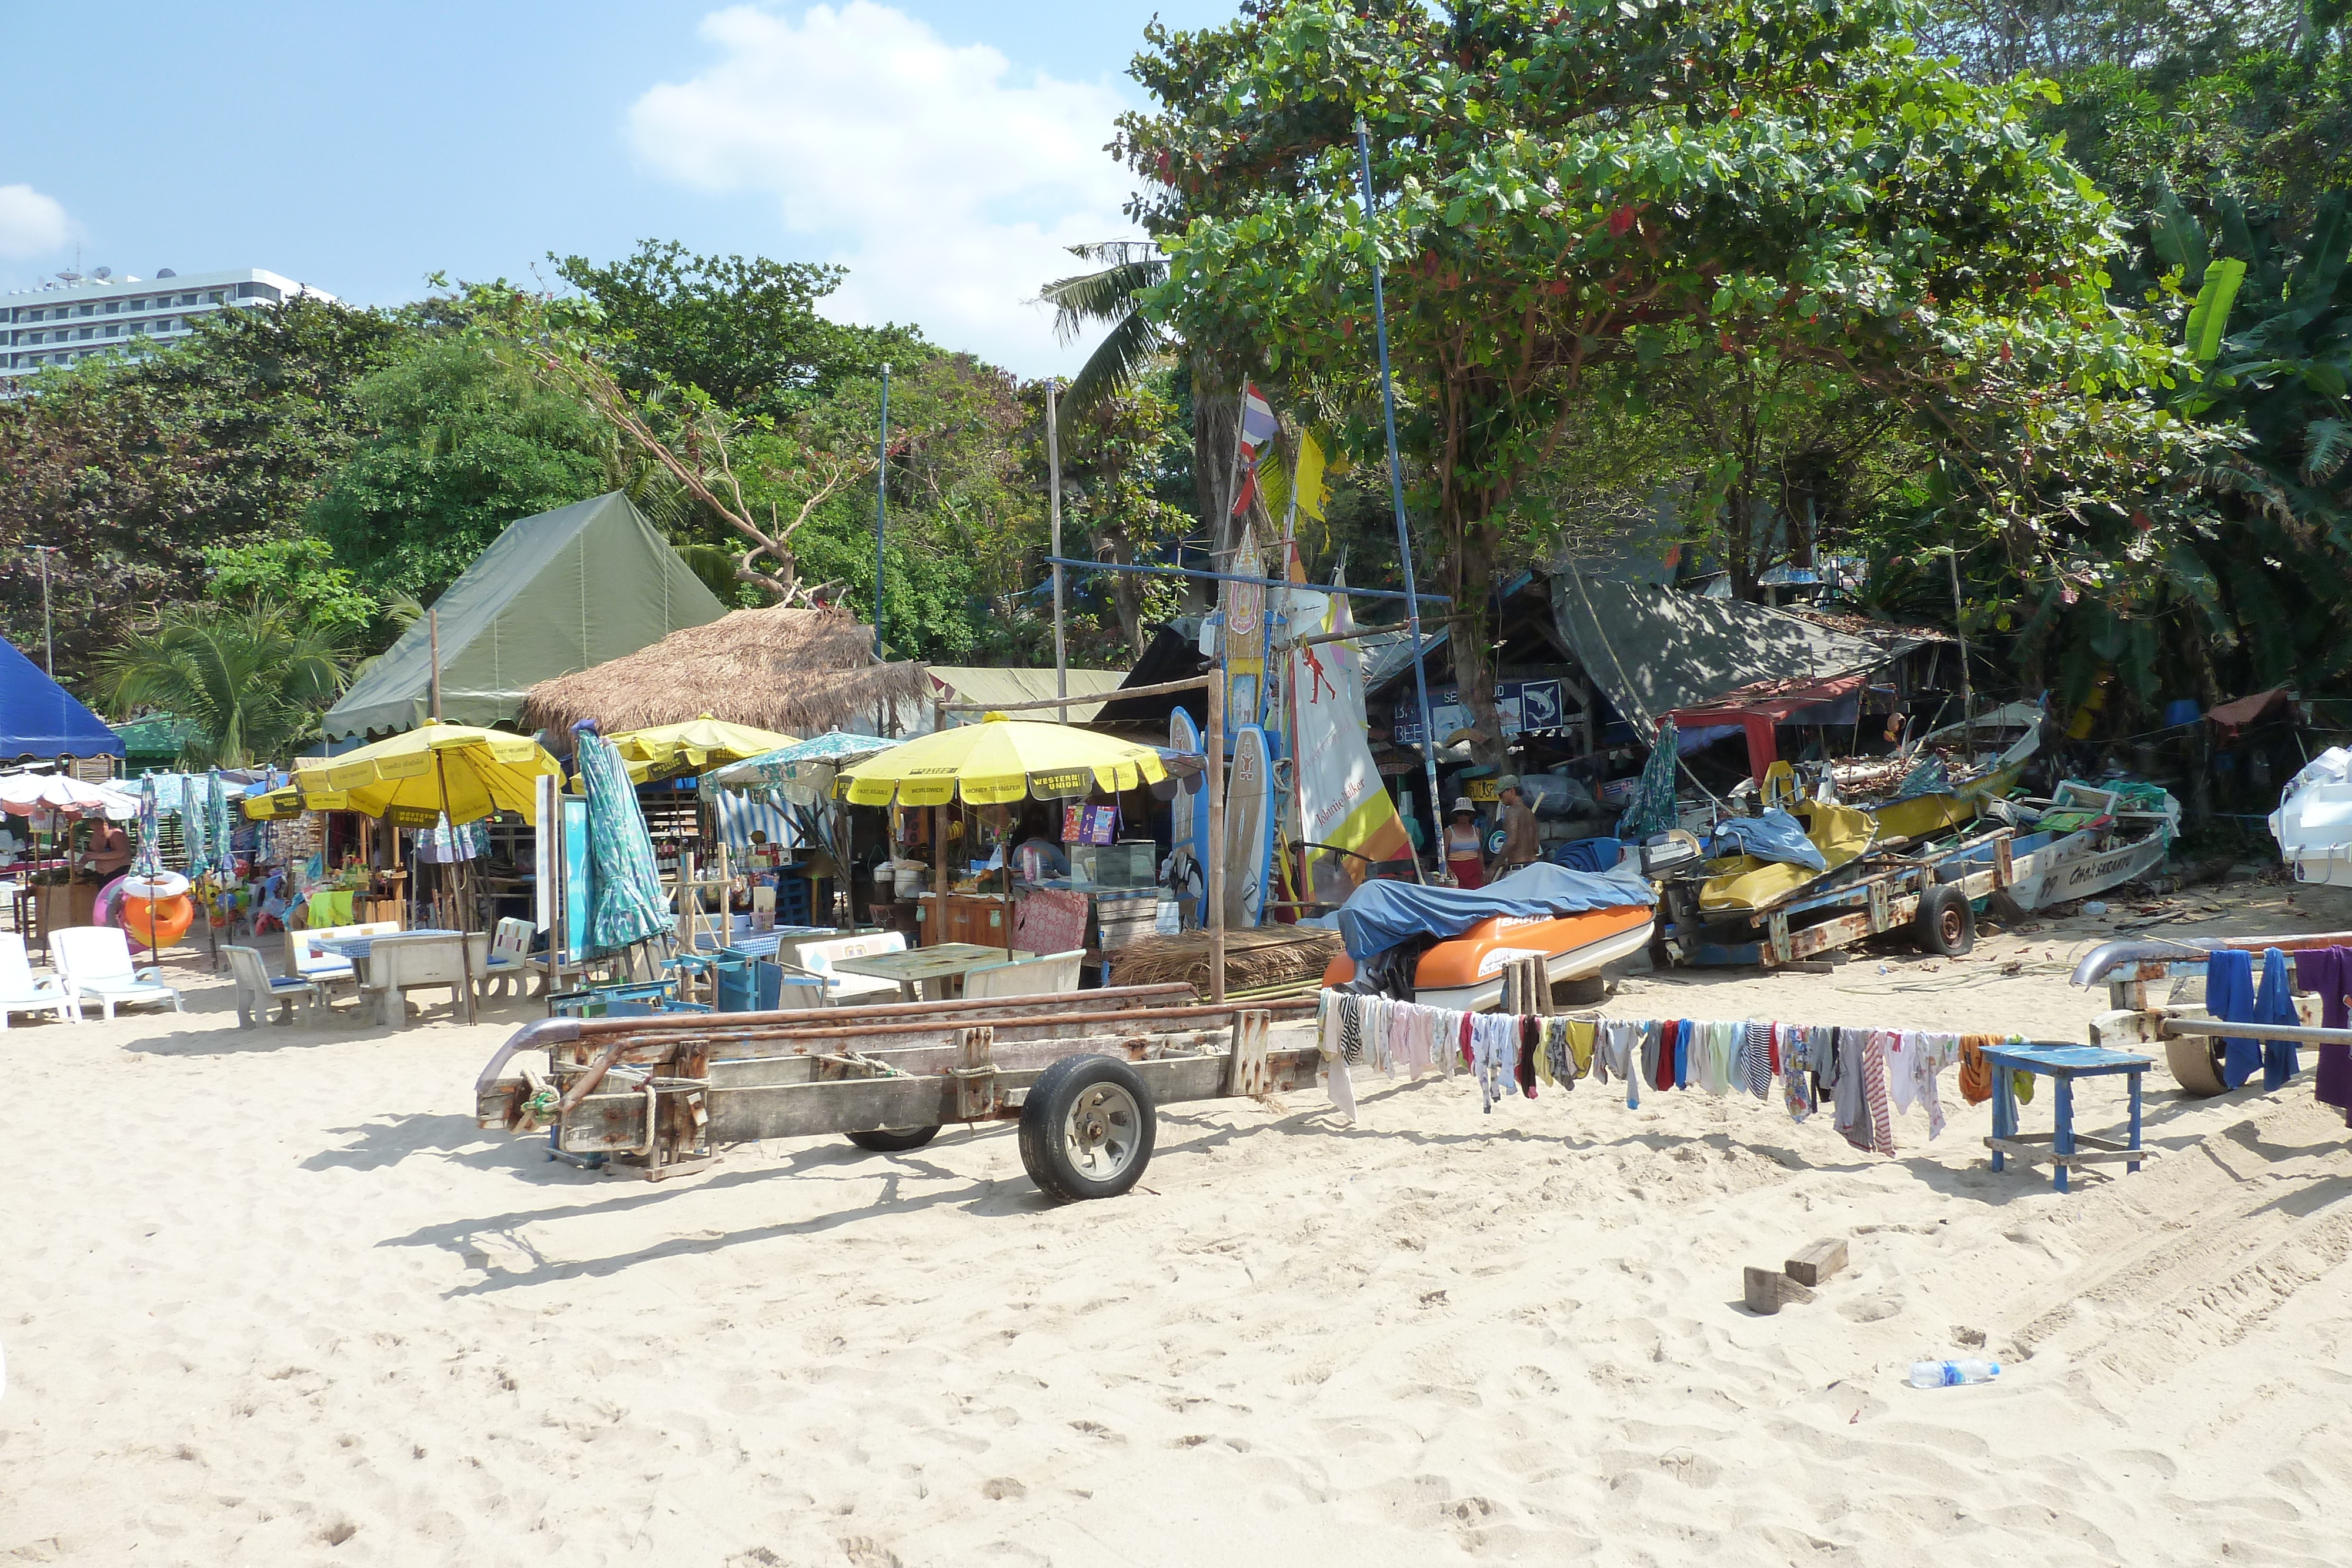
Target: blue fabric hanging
[
  {"x": 2275, "y": 1004},
  {"x": 2229, "y": 997}
]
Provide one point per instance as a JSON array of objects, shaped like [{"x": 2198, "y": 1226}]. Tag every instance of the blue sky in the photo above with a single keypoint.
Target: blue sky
[{"x": 941, "y": 151}]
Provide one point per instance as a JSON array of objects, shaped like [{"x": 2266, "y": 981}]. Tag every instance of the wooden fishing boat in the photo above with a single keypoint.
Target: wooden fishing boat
[
  {"x": 2083, "y": 841},
  {"x": 1466, "y": 972}
]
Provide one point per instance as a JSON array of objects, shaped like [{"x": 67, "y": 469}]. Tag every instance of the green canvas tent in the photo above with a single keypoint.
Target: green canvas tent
[{"x": 554, "y": 593}]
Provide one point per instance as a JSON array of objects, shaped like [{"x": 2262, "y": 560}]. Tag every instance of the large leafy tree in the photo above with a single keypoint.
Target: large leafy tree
[
  {"x": 1566, "y": 188},
  {"x": 133, "y": 468},
  {"x": 746, "y": 331},
  {"x": 465, "y": 441}
]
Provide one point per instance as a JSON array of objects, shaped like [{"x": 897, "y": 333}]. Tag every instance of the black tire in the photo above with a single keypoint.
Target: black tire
[
  {"x": 1945, "y": 924},
  {"x": 1087, "y": 1128},
  {"x": 894, "y": 1140}
]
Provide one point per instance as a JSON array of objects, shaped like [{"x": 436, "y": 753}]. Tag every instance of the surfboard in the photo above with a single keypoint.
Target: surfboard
[
  {"x": 1188, "y": 815},
  {"x": 1249, "y": 827}
]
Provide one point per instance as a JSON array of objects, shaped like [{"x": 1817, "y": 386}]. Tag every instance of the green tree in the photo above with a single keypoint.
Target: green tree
[
  {"x": 300, "y": 574},
  {"x": 251, "y": 680},
  {"x": 466, "y": 440},
  {"x": 1567, "y": 188},
  {"x": 745, "y": 331},
  {"x": 133, "y": 467}
]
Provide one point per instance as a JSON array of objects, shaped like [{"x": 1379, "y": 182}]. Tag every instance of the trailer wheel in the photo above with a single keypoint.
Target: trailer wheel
[
  {"x": 1087, "y": 1128},
  {"x": 1945, "y": 922},
  {"x": 894, "y": 1140},
  {"x": 2195, "y": 1064}
]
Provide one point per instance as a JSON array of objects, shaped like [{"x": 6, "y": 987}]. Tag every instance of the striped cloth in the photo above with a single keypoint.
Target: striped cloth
[{"x": 738, "y": 818}]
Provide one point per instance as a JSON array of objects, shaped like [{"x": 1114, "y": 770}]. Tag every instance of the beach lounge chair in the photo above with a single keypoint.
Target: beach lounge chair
[
  {"x": 307, "y": 961},
  {"x": 818, "y": 957},
  {"x": 94, "y": 963},
  {"x": 508, "y": 964},
  {"x": 258, "y": 990},
  {"x": 398, "y": 965},
  {"x": 1048, "y": 974},
  {"x": 20, "y": 993}
]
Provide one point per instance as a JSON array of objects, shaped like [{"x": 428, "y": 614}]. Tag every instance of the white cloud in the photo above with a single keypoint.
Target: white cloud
[
  {"x": 947, "y": 188},
  {"x": 31, "y": 225}
]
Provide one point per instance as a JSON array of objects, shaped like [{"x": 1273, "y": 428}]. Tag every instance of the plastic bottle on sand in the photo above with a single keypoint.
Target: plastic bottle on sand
[{"x": 1951, "y": 1374}]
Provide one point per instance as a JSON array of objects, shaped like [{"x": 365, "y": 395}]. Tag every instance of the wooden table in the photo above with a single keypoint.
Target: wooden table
[
  {"x": 921, "y": 967},
  {"x": 2064, "y": 1147}
]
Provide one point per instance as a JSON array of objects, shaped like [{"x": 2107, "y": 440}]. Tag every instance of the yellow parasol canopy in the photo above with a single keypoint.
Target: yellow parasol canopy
[
  {"x": 401, "y": 780},
  {"x": 1001, "y": 759},
  {"x": 694, "y": 747}
]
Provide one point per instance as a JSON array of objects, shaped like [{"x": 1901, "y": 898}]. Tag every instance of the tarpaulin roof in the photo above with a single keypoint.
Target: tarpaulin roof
[
  {"x": 554, "y": 593},
  {"x": 2246, "y": 710},
  {"x": 976, "y": 683},
  {"x": 39, "y": 717},
  {"x": 1654, "y": 650},
  {"x": 1774, "y": 699}
]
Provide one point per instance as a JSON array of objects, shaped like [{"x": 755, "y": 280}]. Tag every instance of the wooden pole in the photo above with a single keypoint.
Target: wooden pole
[
  {"x": 938, "y": 874},
  {"x": 1215, "y": 744},
  {"x": 465, "y": 937},
  {"x": 1054, "y": 477},
  {"x": 433, "y": 631}
]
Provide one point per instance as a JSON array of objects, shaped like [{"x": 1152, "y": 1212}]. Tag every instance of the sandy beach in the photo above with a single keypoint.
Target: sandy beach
[{"x": 270, "y": 1297}]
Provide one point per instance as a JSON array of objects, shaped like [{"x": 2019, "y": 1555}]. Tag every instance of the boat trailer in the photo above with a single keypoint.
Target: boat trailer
[
  {"x": 2191, "y": 1037},
  {"x": 1083, "y": 1072}
]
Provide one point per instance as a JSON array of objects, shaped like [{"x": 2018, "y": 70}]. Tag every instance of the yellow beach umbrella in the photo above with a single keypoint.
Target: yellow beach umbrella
[
  {"x": 694, "y": 747},
  {"x": 292, "y": 800},
  {"x": 1001, "y": 759},
  {"x": 402, "y": 779}
]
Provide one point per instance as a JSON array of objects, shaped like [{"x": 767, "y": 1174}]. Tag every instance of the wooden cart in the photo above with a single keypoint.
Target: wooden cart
[
  {"x": 1927, "y": 894},
  {"x": 1082, "y": 1071},
  {"x": 2192, "y": 1038}
]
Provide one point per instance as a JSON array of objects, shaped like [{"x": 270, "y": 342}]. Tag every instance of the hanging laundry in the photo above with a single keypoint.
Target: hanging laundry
[{"x": 2328, "y": 971}]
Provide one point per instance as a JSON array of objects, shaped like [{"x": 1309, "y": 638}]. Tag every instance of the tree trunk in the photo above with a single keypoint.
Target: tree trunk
[
  {"x": 1125, "y": 589},
  {"x": 1471, "y": 573},
  {"x": 1216, "y": 430}
]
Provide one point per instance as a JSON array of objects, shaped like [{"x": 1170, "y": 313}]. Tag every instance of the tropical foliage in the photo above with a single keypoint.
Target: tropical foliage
[{"x": 250, "y": 681}]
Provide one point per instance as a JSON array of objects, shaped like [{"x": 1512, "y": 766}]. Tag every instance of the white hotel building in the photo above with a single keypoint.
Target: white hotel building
[{"x": 69, "y": 321}]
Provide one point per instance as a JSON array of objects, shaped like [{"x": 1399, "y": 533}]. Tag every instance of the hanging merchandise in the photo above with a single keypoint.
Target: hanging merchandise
[{"x": 1866, "y": 1078}]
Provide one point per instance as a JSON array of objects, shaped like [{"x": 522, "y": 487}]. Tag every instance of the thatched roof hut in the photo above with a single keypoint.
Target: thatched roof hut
[{"x": 799, "y": 671}]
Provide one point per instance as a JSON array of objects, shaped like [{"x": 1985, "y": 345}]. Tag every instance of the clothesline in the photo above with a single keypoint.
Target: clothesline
[{"x": 1866, "y": 1077}]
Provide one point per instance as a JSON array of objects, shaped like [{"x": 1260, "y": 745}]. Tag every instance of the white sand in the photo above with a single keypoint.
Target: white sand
[{"x": 270, "y": 1298}]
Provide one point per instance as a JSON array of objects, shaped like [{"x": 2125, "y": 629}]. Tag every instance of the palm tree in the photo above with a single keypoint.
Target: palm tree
[
  {"x": 251, "y": 680},
  {"x": 1107, "y": 296}
]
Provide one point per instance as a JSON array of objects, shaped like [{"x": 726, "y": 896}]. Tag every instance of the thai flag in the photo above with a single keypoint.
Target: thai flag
[{"x": 1258, "y": 427}]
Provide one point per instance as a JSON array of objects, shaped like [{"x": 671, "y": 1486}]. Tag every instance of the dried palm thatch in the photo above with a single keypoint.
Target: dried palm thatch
[
  {"x": 799, "y": 671},
  {"x": 1269, "y": 955}
]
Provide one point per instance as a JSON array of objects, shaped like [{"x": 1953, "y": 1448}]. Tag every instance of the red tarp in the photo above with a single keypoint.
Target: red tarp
[
  {"x": 1757, "y": 707},
  {"x": 2246, "y": 710}
]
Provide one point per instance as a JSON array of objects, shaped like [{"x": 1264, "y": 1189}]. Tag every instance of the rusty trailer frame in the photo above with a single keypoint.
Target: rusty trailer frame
[
  {"x": 2191, "y": 1037},
  {"x": 664, "y": 1094}
]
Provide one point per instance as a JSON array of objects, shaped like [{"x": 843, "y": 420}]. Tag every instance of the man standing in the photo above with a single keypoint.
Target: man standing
[{"x": 1520, "y": 846}]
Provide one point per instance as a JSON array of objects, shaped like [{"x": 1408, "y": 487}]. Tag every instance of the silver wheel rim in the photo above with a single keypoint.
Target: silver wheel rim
[{"x": 1103, "y": 1132}]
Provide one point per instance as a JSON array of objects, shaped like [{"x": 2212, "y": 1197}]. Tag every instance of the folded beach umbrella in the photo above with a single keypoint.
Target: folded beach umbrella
[
  {"x": 1002, "y": 759},
  {"x": 692, "y": 747},
  {"x": 402, "y": 779},
  {"x": 26, "y": 793},
  {"x": 630, "y": 904}
]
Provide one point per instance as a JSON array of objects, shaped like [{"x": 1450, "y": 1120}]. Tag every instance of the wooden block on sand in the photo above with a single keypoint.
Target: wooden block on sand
[
  {"x": 1817, "y": 1262},
  {"x": 1767, "y": 1289}
]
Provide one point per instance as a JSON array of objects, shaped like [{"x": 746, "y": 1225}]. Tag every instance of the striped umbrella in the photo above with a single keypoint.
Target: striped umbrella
[
  {"x": 630, "y": 905},
  {"x": 193, "y": 822}
]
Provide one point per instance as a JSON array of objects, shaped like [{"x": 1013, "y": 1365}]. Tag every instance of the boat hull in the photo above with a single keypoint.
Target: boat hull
[
  {"x": 2083, "y": 865},
  {"x": 1466, "y": 972}
]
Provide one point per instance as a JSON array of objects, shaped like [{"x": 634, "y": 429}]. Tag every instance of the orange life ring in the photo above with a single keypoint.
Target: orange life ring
[{"x": 156, "y": 924}]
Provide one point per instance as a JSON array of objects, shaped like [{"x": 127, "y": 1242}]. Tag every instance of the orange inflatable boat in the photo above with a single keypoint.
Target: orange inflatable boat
[{"x": 1466, "y": 972}]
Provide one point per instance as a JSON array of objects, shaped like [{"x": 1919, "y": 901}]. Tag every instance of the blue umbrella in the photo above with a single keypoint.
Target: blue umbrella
[
  {"x": 804, "y": 771},
  {"x": 630, "y": 905}
]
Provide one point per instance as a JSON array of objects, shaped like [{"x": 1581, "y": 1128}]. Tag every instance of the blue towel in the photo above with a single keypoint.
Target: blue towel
[
  {"x": 2231, "y": 996},
  {"x": 2275, "y": 1004}
]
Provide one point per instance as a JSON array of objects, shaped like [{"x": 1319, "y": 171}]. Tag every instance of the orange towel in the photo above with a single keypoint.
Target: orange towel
[{"x": 1976, "y": 1073}]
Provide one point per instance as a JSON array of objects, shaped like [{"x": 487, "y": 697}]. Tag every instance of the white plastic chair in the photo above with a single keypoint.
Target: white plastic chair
[
  {"x": 817, "y": 958},
  {"x": 257, "y": 990},
  {"x": 20, "y": 993},
  {"x": 94, "y": 963},
  {"x": 1049, "y": 974},
  {"x": 508, "y": 964}
]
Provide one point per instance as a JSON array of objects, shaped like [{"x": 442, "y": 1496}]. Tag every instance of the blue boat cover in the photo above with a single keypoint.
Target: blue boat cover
[
  {"x": 1777, "y": 836},
  {"x": 39, "y": 717},
  {"x": 1380, "y": 914}
]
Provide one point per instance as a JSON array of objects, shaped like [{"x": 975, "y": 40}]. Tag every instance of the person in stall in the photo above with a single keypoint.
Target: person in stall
[
  {"x": 1521, "y": 845},
  {"x": 1466, "y": 850},
  {"x": 1036, "y": 854},
  {"x": 106, "y": 854}
]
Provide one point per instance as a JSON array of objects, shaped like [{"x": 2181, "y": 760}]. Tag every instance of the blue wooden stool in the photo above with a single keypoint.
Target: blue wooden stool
[{"x": 2064, "y": 1148}]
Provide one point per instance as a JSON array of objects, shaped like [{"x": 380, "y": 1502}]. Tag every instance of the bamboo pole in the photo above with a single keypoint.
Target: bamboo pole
[
  {"x": 464, "y": 939},
  {"x": 1214, "y": 743}
]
